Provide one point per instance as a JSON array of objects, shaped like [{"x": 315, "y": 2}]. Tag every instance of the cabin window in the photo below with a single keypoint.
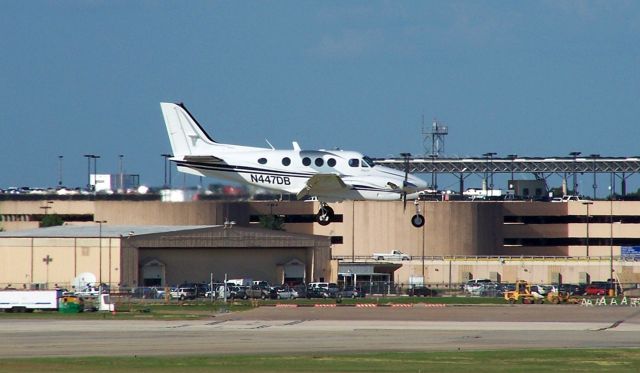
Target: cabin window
[
  {"x": 367, "y": 162},
  {"x": 262, "y": 160},
  {"x": 319, "y": 162},
  {"x": 286, "y": 161},
  {"x": 354, "y": 162},
  {"x": 306, "y": 161},
  {"x": 331, "y": 162}
]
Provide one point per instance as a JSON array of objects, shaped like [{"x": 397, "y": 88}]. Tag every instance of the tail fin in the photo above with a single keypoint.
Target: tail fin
[{"x": 186, "y": 135}]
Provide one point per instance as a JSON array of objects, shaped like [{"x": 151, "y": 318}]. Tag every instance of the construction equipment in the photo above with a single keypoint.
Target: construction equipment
[
  {"x": 523, "y": 294},
  {"x": 561, "y": 297}
]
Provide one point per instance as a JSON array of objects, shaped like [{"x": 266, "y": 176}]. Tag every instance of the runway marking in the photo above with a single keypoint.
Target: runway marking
[{"x": 177, "y": 326}]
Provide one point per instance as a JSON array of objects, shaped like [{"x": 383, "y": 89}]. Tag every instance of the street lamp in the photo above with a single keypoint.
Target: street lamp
[
  {"x": 95, "y": 169},
  {"x": 60, "y": 170},
  {"x": 587, "y": 203},
  {"x": 121, "y": 173},
  {"x": 166, "y": 160},
  {"x": 595, "y": 185},
  {"x": 100, "y": 222},
  {"x": 513, "y": 158},
  {"x": 489, "y": 156},
  {"x": 575, "y": 177},
  {"x": 615, "y": 288},
  {"x": 89, "y": 156},
  {"x": 434, "y": 178}
]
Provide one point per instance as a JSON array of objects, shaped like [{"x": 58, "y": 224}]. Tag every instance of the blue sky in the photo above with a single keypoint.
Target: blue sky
[{"x": 531, "y": 78}]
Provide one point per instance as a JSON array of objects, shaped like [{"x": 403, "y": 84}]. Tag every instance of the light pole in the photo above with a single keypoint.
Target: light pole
[
  {"x": 166, "y": 160},
  {"x": 434, "y": 178},
  {"x": 615, "y": 288},
  {"x": 489, "y": 156},
  {"x": 120, "y": 156},
  {"x": 100, "y": 222},
  {"x": 512, "y": 184},
  {"x": 47, "y": 259},
  {"x": 89, "y": 156},
  {"x": 575, "y": 177},
  {"x": 587, "y": 203},
  {"x": 595, "y": 185},
  {"x": 60, "y": 170},
  {"x": 95, "y": 171}
]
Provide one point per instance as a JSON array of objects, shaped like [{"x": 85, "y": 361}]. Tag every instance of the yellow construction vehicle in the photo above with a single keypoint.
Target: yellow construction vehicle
[
  {"x": 561, "y": 297},
  {"x": 523, "y": 294}
]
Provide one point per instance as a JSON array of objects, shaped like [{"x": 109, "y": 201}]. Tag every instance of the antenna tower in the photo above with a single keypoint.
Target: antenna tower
[{"x": 434, "y": 138}]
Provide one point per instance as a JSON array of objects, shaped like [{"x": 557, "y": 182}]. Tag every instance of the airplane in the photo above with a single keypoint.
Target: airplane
[{"x": 327, "y": 175}]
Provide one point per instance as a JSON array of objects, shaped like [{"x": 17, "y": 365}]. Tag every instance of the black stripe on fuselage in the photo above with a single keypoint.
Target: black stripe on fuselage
[{"x": 243, "y": 169}]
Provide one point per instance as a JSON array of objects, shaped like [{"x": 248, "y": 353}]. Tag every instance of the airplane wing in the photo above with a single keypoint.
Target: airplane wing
[{"x": 323, "y": 184}]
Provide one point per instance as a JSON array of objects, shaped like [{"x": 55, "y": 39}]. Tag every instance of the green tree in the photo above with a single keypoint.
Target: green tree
[
  {"x": 274, "y": 222},
  {"x": 51, "y": 221}
]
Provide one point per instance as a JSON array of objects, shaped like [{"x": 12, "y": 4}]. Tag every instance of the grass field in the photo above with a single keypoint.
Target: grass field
[
  {"x": 202, "y": 308},
  {"x": 561, "y": 360}
]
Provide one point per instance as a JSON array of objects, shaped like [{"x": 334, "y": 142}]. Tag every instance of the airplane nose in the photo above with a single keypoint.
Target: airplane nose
[{"x": 418, "y": 183}]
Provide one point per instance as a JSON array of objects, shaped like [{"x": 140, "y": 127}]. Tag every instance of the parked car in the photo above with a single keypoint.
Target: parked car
[
  {"x": 282, "y": 293},
  {"x": 572, "y": 289},
  {"x": 597, "y": 289},
  {"x": 352, "y": 292},
  {"x": 474, "y": 287},
  {"x": 183, "y": 293},
  {"x": 258, "y": 291},
  {"x": 421, "y": 292},
  {"x": 323, "y": 290}
]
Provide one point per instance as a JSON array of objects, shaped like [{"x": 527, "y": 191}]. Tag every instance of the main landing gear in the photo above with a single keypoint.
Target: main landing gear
[
  {"x": 417, "y": 220},
  {"x": 325, "y": 214}
]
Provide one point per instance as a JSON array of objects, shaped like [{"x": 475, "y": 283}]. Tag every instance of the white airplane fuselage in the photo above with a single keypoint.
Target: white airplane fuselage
[{"x": 329, "y": 175}]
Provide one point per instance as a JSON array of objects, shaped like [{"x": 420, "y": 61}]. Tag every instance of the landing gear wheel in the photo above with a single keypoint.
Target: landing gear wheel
[
  {"x": 417, "y": 220},
  {"x": 325, "y": 215}
]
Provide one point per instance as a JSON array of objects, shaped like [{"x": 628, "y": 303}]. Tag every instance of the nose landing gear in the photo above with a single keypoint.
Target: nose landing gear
[{"x": 417, "y": 220}]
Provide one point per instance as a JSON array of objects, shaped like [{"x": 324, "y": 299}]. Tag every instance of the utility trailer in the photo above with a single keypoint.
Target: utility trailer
[{"x": 28, "y": 300}]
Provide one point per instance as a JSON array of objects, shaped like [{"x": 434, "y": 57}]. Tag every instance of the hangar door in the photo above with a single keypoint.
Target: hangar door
[
  {"x": 153, "y": 273},
  {"x": 294, "y": 272}
]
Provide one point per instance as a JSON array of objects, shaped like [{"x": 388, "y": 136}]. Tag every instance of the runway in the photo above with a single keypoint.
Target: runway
[{"x": 309, "y": 330}]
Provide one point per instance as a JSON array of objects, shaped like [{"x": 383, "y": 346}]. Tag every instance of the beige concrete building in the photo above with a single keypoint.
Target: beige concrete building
[
  {"x": 131, "y": 256},
  {"x": 507, "y": 241}
]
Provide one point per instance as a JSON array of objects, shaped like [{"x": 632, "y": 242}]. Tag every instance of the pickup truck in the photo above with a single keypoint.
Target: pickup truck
[{"x": 393, "y": 255}]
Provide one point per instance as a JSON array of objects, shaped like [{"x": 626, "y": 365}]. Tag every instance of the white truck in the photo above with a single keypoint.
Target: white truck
[
  {"x": 28, "y": 300},
  {"x": 393, "y": 255}
]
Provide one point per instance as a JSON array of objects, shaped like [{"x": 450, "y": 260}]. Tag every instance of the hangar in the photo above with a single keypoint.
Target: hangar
[{"x": 130, "y": 255}]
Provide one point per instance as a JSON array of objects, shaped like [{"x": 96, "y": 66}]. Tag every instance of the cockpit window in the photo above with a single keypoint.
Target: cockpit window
[
  {"x": 354, "y": 162},
  {"x": 367, "y": 162}
]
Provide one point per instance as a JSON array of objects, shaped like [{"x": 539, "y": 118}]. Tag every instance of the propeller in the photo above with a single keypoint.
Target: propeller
[{"x": 405, "y": 182}]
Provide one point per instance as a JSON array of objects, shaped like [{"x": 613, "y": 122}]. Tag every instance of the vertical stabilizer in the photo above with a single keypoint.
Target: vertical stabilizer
[{"x": 186, "y": 135}]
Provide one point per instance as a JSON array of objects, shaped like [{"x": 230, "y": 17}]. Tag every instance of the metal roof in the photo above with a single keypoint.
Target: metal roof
[
  {"x": 518, "y": 164},
  {"x": 94, "y": 230}
]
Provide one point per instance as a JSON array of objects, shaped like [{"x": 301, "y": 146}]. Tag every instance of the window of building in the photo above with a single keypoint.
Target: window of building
[
  {"x": 306, "y": 161},
  {"x": 286, "y": 161},
  {"x": 319, "y": 162}
]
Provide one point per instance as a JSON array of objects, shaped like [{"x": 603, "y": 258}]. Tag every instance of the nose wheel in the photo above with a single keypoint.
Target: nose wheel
[
  {"x": 325, "y": 214},
  {"x": 417, "y": 220}
]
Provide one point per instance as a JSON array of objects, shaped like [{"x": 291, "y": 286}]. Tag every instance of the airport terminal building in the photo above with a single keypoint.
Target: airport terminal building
[{"x": 541, "y": 242}]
